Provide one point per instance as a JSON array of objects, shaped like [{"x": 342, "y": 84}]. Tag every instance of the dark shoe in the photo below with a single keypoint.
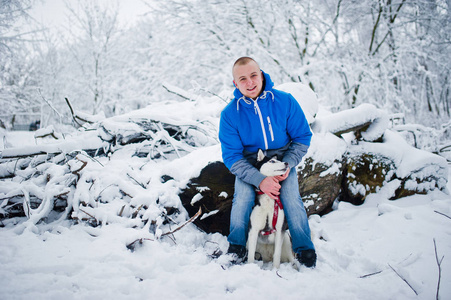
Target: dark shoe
[
  {"x": 307, "y": 258},
  {"x": 238, "y": 253}
]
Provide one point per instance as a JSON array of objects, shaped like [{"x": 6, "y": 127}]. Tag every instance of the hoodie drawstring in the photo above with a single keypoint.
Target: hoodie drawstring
[
  {"x": 245, "y": 100},
  {"x": 263, "y": 96}
]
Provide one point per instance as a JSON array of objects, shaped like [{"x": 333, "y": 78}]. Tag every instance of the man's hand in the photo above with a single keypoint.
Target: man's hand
[
  {"x": 283, "y": 177},
  {"x": 270, "y": 186}
]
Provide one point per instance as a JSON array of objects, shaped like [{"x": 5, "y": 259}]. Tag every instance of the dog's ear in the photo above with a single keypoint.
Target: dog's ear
[{"x": 260, "y": 155}]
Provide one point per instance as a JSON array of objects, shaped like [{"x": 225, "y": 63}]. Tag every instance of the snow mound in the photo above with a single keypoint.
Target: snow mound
[{"x": 305, "y": 96}]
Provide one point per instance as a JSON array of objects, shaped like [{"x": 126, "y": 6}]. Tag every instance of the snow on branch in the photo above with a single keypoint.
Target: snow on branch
[
  {"x": 369, "y": 122},
  {"x": 83, "y": 117},
  {"x": 86, "y": 143},
  {"x": 179, "y": 92}
]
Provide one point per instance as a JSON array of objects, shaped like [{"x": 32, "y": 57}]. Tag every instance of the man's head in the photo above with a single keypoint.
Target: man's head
[{"x": 248, "y": 77}]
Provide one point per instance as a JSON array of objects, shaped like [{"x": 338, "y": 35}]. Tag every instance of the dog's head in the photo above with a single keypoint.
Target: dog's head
[{"x": 270, "y": 166}]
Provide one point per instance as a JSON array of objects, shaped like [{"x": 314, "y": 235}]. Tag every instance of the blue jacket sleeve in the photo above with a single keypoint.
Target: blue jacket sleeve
[
  {"x": 232, "y": 153},
  {"x": 294, "y": 154},
  {"x": 247, "y": 172}
]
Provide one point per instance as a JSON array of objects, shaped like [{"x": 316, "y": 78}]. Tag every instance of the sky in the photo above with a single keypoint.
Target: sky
[{"x": 52, "y": 13}]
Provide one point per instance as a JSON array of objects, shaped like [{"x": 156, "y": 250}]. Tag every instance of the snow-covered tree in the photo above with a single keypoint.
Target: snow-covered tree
[
  {"x": 351, "y": 52},
  {"x": 92, "y": 45},
  {"x": 393, "y": 54},
  {"x": 16, "y": 66}
]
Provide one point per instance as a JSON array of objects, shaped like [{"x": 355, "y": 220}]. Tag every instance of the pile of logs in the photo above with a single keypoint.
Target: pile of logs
[{"x": 373, "y": 160}]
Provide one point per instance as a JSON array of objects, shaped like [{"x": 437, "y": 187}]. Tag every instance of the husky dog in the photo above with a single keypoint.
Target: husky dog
[{"x": 267, "y": 227}]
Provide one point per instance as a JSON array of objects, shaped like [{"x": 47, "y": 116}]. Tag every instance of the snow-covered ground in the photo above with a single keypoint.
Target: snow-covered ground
[{"x": 364, "y": 252}]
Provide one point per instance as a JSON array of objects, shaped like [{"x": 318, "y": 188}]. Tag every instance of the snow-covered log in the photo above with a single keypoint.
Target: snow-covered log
[
  {"x": 88, "y": 142},
  {"x": 212, "y": 191},
  {"x": 368, "y": 122},
  {"x": 394, "y": 166}
]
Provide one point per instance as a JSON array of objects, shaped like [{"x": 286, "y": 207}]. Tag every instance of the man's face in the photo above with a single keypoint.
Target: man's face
[{"x": 248, "y": 79}]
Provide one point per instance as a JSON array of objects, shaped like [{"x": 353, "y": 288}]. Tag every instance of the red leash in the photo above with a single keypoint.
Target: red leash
[{"x": 277, "y": 205}]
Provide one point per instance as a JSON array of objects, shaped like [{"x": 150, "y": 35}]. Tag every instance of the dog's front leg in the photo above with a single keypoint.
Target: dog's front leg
[
  {"x": 277, "y": 248},
  {"x": 287, "y": 251},
  {"x": 252, "y": 245}
]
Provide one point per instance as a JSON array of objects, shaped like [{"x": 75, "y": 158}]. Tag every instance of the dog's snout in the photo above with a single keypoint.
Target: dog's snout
[{"x": 286, "y": 164}]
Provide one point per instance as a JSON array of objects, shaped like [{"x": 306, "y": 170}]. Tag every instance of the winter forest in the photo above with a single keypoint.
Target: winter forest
[
  {"x": 393, "y": 54},
  {"x": 111, "y": 180}
]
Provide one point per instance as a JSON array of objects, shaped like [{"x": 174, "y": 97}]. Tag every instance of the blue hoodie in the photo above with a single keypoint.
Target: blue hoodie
[{"x": 274, "y": 122}]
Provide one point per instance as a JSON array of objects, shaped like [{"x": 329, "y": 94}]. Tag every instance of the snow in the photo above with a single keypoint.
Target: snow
[
  {"x": 81, "y": 262},
  {"x": 361, "y": 249},
  {"x": 410, "y": 162},
  {"x": 307, "y": 98},
  {"x": 353, "y": 117}
]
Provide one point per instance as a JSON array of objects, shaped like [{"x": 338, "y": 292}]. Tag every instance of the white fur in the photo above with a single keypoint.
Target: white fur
[{"x": 276, "y": 246}]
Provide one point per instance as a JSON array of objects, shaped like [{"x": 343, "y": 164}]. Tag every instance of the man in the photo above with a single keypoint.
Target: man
[{"x": 261, "y": 117}]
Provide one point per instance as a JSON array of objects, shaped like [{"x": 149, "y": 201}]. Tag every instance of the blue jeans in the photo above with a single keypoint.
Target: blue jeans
[{"x": 243, "y": 202}]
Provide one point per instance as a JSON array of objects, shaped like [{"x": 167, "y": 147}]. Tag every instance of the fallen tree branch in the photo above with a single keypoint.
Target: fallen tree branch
[
  {"x": 135, "y": 213},
  {"x": 442, "y": 214},
  {"x": 416, "y": 293},
  {"x": 6, "y": 155},
  {"x": 439, "y": 264},
  {"x": 122, "y": 210},
  {"x": 137, "y": 182},
  {"x": 62, "y": 194},
  {"x": 75, "y": 117},
  {"x": 72, "y": 112},
  {"x": 51, "y": 134},
  {"x": 88, "y": 214},
  {"x": 131, "y": 246},
  {"x": 192, "y": 219},
  {"x": 92, "y": 158},
  {"x": 47, "y": 149},
  {"x": 371, "y": 274},
  {"x": 84, "y": 163}
]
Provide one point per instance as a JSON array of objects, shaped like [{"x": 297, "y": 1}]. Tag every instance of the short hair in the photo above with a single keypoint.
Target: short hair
[{"x": 244, "y": 60}]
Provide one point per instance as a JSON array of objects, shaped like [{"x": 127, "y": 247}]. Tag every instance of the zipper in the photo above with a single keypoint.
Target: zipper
[
  {"x": 270, "y": 129},
  {"x": 257, "y": 109}
]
